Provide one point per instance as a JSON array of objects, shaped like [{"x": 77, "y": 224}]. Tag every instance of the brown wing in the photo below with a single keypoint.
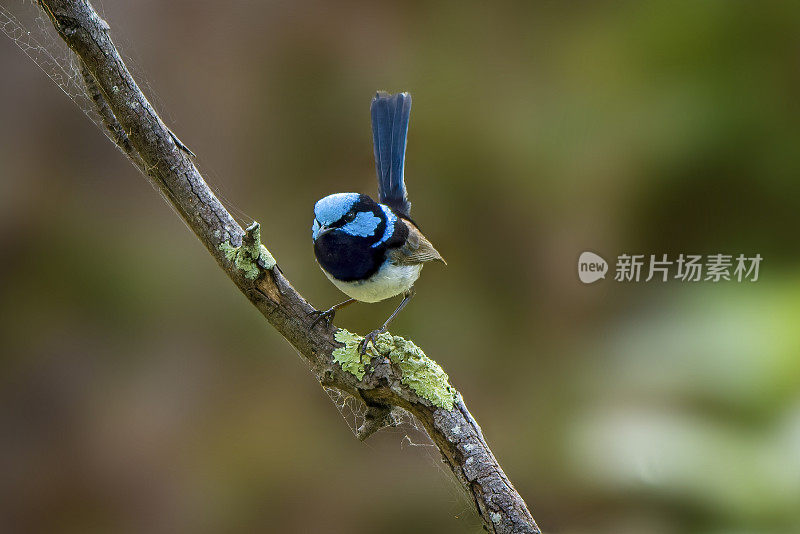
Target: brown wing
[{"x": 416, "y": 250}]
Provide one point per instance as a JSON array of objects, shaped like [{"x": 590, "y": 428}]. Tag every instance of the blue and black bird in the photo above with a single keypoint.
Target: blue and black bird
[{"x": 373, "y": 250}]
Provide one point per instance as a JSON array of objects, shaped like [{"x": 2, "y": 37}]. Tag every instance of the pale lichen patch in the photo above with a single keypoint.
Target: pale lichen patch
[
  {"x": 348, "y": 356},
  {"x": 251, "y": 257},
  {"x": 496, "y": 517},
  {"x": 265, "y": 258},
  {"x": 423, "y": 375}
]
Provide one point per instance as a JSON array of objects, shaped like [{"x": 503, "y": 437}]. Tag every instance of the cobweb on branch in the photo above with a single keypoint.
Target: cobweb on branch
[
  {"x": 49, "y": 52},
  {"x": 354, "y": 411},
  {"x": 33, "y": 33},
  {"x": 412, "y": 436}
]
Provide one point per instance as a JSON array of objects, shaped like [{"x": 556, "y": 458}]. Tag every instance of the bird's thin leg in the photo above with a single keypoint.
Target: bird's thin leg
[
  {"x": 375, "y": 333},
  {"x": 328, "y": 314},
  {"x": 402, "y": 305}
]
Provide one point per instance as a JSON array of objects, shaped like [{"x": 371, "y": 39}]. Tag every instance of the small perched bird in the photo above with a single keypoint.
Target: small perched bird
[{"x": 373, "y": 250}]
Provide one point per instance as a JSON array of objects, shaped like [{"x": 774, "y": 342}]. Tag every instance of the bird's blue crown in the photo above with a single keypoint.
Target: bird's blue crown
[{"x": 332, "y": 208}]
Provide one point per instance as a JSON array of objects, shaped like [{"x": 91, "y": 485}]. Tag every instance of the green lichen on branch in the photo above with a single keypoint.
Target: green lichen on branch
[
  {"x": 420, "y": 373},
  {"x": 251, "y": 257},
  {"x": 348, "y": 356},
  {"x": 423, "y": 375}
]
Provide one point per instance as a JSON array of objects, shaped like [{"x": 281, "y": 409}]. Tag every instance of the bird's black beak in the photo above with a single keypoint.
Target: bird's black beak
[{"x": 324, "y": 230}]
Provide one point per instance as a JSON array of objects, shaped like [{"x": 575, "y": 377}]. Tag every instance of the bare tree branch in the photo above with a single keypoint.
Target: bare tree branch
[{"x": 395, "y": 375}]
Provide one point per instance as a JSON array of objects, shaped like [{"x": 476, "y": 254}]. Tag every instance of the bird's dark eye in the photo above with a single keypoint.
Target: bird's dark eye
[{"x": 350, "y": 217}]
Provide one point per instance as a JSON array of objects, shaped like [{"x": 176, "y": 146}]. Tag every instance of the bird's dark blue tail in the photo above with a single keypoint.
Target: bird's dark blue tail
[{"x": 390, "y": 115}]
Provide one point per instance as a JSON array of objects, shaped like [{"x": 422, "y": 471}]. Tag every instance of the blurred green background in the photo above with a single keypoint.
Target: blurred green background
[{"x": 140, "y": 392}]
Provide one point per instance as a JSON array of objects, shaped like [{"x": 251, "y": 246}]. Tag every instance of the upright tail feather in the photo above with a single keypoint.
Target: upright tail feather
[{"x": 390, "y": 115}]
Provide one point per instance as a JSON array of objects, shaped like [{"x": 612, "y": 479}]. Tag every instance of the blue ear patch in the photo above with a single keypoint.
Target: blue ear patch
[
  {"x": 333, "y": 207},
  {"x": 363, "y": 225},
  {"x": 391, "y": 218}
]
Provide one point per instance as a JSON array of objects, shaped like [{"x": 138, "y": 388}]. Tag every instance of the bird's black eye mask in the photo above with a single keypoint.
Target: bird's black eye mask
[
  {"x": 363, "y": 205},
  {"x": 350, "y": 216}
]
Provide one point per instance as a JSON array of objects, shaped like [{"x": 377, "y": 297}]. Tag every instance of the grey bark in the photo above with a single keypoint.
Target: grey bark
[{"x": 145, "y": 139}]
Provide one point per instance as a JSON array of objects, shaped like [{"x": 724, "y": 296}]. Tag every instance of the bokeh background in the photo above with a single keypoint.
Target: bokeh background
[{"x": 140, "y": 392}]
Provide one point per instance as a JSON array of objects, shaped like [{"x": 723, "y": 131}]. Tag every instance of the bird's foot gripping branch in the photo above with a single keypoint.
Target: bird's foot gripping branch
[
  {"x": 251, "y": 256},
  {"x": 424, "y": 376}
]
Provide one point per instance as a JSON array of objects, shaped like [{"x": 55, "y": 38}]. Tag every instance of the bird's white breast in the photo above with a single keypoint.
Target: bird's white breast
[{"x": 390, "y": 280}]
